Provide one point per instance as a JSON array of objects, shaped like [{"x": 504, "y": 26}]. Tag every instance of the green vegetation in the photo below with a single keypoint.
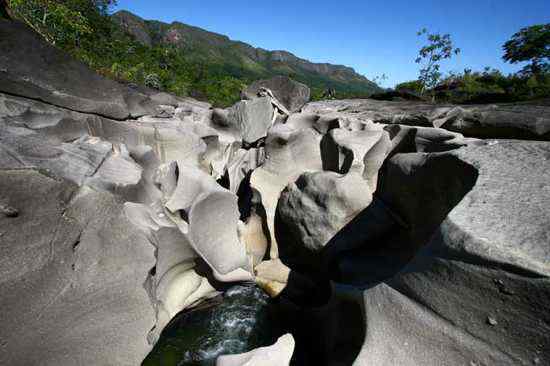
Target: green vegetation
[
  {"x": 206, "y": 66},
  {"x": 439, "y": 48},
  {"x": 189, "y": 61},
  {"x": 84, "y": 29},
  {"x": 530, "y": 45}
]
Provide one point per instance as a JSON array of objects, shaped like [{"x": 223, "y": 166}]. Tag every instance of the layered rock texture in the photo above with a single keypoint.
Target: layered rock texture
[{"x": 428, "y": 225}]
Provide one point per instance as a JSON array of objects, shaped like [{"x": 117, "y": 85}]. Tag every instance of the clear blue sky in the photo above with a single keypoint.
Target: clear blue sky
[{"x": 372, "y": 36}]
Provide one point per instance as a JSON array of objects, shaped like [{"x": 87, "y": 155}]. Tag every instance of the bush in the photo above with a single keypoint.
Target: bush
[
  {"x": 414, "y": 86},
  {"x": 488, "y": 86}
]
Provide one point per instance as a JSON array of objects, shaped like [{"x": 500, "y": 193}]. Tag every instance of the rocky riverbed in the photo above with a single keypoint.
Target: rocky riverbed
[{"x": 385, "y": 233}]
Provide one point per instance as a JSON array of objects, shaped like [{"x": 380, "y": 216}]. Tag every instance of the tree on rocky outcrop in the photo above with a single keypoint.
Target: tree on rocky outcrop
[
  {"x": 440, "y": 47},
  {"x": 530, "y": 44}
]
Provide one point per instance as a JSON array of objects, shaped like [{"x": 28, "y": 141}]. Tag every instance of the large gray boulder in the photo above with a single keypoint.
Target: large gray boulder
[
  {"x": 475, "y": 294},
  {"x": 314, "y": 208},
  {"x": 289, "y": 154},
  {"x": 291, "y": 93},
  {"x": 253, "y": 118}
]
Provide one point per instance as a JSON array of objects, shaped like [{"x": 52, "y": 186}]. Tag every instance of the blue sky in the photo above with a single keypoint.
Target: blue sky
[{"x": 373, "y": 37}]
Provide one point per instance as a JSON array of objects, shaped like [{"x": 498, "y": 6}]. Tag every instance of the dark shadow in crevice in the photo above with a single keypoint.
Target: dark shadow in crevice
[
  {"x": 415, "y": 194},
  {"x": 245, "y": 196},
  {"x": 223, "y": 181}
]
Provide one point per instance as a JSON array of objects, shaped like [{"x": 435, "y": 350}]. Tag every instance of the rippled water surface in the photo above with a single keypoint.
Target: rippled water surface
[{"x": 239, "y": 323}]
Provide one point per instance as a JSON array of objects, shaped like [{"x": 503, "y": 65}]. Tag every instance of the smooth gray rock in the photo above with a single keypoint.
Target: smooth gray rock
[
  {"x": 407, "y": 139},
  {"x": 289, "y": 153},
  {"x": 503, "y": 121},
  {"x": 242, "y": 163},
  {"x": 73, "y": 275},
  {"x": 528, "y": 122},
  {"x": 253, "y": 118},
  {"x": 61, "y": 125},
  {"x": 291, "y": 93},
  {"x": 477, "y": 289},
  {"x": 197, "y": 205},
  {"x": 278, "y": 354},
  {"x": 406, "y": 113},
  {"x": 175, "y": 283},
  {"x": 76, "y": 161},
  {"x": 311, "y": 210},
  {"x": 361, "y": 151}
]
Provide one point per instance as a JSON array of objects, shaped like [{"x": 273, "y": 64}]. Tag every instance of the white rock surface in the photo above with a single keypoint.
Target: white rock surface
[{"x": 278, "y": 354}]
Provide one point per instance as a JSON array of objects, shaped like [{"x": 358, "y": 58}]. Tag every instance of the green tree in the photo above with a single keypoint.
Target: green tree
[
  {"x": 531, "y": 44},
  {"x": 439, "y": 48},
  {"x": 57, "y": 22}
]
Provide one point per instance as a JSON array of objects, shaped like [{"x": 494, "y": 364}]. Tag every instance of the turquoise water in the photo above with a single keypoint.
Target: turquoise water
[{"x": 238, "y": 322}]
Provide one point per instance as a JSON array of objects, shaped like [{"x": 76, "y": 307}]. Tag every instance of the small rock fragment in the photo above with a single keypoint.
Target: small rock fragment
[
  {"x": 502, "y": 287},
  {"x": 8, "y": 211},
  {"x": 492, "y": 321}
]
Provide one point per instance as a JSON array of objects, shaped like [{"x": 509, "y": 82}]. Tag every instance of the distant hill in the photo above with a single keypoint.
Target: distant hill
[{"x": 242, "y": 60}]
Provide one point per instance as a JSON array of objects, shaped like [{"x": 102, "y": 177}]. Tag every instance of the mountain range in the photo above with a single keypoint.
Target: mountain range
[{"x": 242, "y": 60}]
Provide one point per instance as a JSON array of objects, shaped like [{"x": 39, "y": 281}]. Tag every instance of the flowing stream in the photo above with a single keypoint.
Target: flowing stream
[{"x": 238, "y": 321}]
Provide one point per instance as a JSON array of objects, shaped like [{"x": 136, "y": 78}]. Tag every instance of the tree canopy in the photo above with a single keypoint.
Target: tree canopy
[
  {"x": 530, "y": 44},
  {"x": 439, "y": 48}
]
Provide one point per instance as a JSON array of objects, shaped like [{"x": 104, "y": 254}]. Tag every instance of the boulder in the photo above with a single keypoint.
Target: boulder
[
  {"x": 477, "y": 288},
  {"x": 314, "y": 208},
  {"x": 289, "y": 153},
  {"x": 253, "y": 118},
  {"x": 292, "y": 94},
  {"x": 279, "y": 354}
]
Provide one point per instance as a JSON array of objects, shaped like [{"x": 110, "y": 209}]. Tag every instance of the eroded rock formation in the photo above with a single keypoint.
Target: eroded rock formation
[{"x": 121, "y": 208}]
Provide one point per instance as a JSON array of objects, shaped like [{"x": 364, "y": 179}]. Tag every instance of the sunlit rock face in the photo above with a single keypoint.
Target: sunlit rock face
[{"x": 383, "y": 234}]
